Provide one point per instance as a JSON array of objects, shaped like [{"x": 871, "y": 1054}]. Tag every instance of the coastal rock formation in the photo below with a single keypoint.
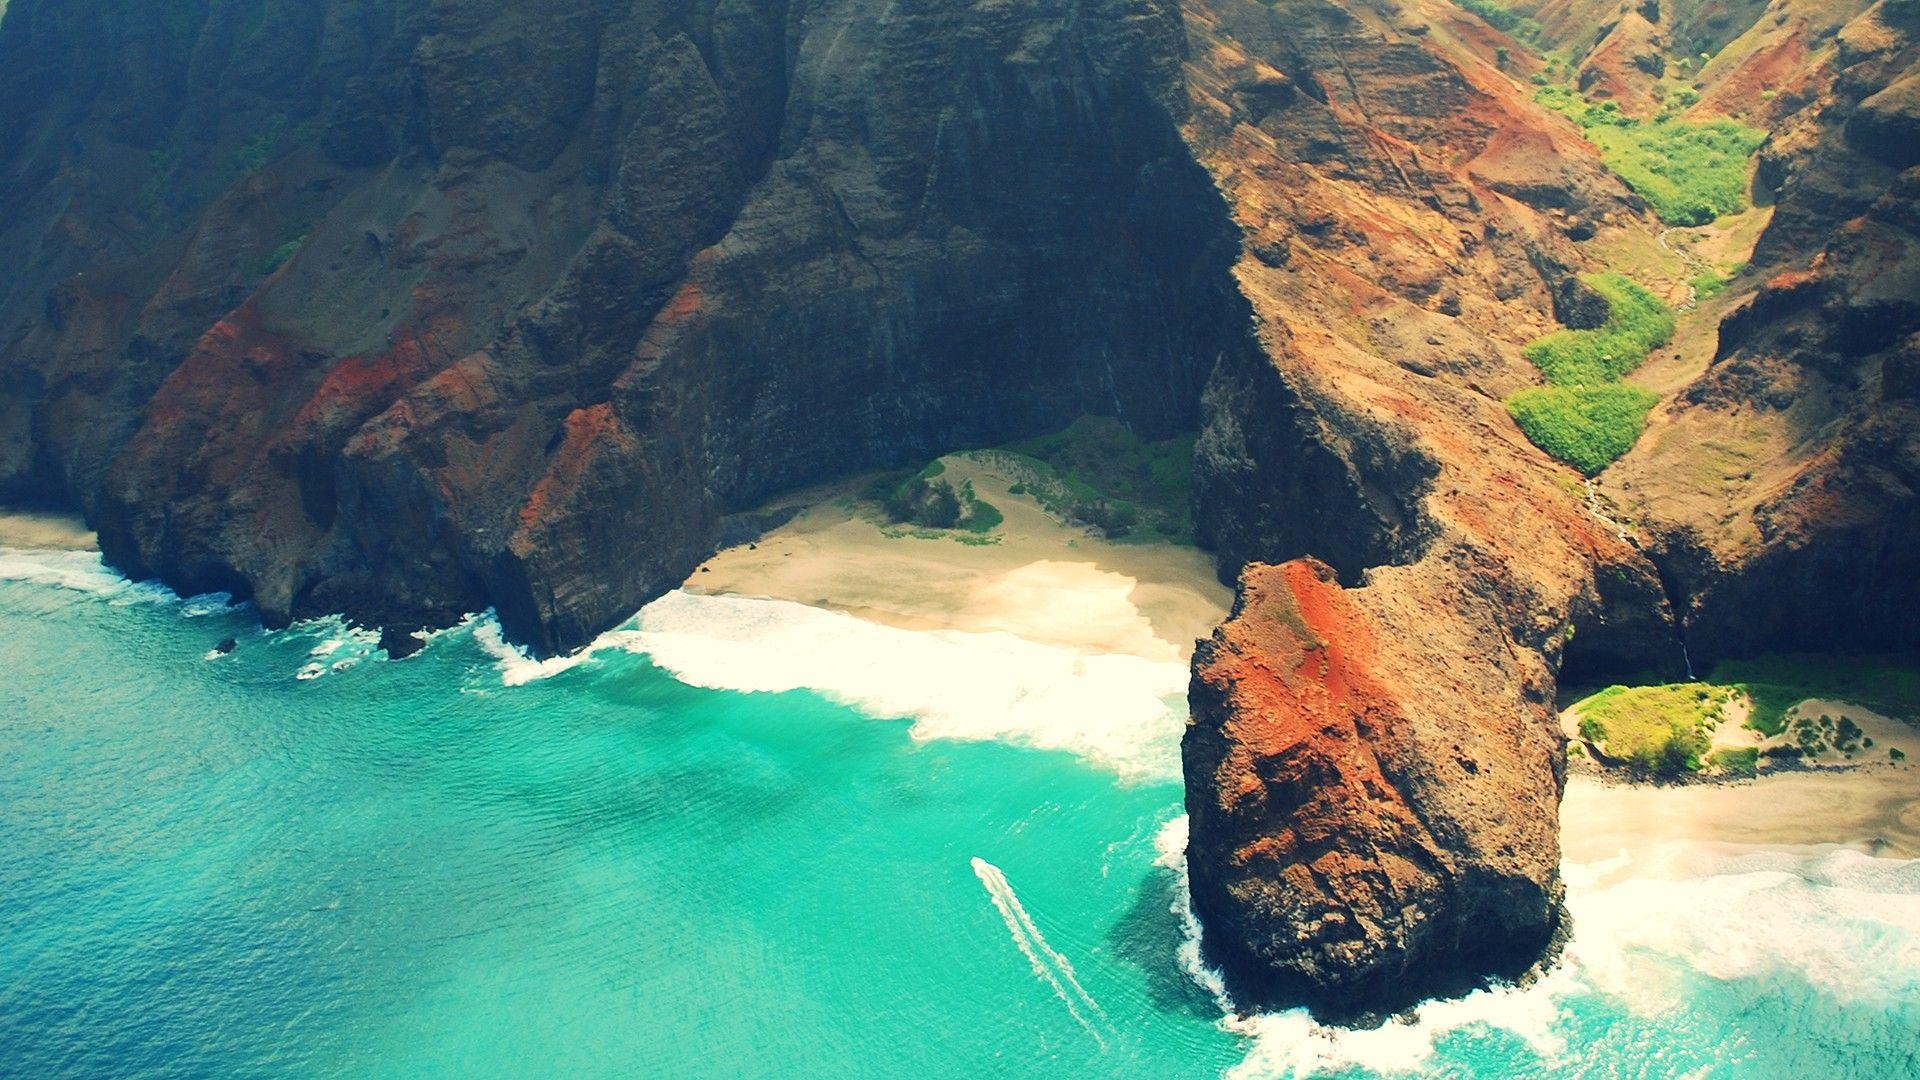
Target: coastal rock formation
[
  {"x": 1365, "y": 837},
  {"x": 1373, "y": 764},
  {"x": 408, "y": 308}
]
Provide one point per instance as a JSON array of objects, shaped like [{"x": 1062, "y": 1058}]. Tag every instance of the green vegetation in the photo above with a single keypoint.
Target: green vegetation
[
  {"x": 1587, "y": 426},
  {"x": 1664, "y": 730},
  {"x": 1099, "y": 474},
  {"x": 1637, "y": 323},
  {"x": 1710, "y": 283},
  {"x": 1887, "y": 685},
  {"x": 278, "y": 256},
  {"x": 929, "y": 500},
  {"x": 253, "y": 153},
  {"x": 1690, "y": 173},
  {"x": 1738, "y": 760},
  {"x": 1585, "y": 416},
  {"x": 1512, "y": 23},
  {"x": 981, "y": 516},
  {"x": 1816, "y": 735}
]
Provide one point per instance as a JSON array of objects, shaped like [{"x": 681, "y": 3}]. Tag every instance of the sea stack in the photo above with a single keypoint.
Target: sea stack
[{"x": 1358, "y": 843}]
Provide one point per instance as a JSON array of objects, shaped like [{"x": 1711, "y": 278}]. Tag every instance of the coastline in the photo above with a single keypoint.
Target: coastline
[
  {"x": 1052, "y": 583},
  {"x": 1873, "y": 808},
  {"x": 1049, "y": 582}
]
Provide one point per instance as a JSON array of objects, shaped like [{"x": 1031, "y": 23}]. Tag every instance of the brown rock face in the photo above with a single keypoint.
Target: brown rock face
[
  {"x": 1365, "y": 836},
  {"x": 1373, "y": 766},
  {"x": 1779, "y": 495}
]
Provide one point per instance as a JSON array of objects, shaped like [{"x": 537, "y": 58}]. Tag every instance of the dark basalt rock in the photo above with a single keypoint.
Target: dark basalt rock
[{"x": 490, "y": 302}]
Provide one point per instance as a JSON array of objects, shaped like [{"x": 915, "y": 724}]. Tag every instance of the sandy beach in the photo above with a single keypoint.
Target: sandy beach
[
  {"x": 1870, "y": 802},
  {"x": 1038, "y": 579},
  {"x": 1875, "y": 808},
  {"x": 44, "y": 531},
  {"x": 1062, "y": 585}
]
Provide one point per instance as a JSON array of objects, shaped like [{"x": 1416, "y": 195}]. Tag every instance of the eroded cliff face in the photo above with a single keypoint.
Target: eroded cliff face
[
  {"x": 485, "y": 302},
  {"x": 1777, "y": 489},
  {"x": 1369, "y": 833},
  {"x": 1373, "y": 764}
]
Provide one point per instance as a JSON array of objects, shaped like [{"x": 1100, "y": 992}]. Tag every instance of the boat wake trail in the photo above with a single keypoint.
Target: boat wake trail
[{"x": 1048, "y": 965}]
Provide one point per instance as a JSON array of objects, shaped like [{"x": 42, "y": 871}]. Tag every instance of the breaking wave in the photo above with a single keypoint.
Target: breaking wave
[
  {"x": 1806, "y": 942},
  {"x": 1125, "y": 713}
]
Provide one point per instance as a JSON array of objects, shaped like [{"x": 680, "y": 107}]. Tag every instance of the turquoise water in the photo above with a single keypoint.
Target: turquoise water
[{"x": 210, "y": 866}]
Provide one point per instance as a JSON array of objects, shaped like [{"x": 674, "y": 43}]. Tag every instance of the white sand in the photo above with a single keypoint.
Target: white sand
[
  {"x": 40, "y": 530},
  {"x": 1041, "y": 580},
  {"x": 1875, "y": 808}
]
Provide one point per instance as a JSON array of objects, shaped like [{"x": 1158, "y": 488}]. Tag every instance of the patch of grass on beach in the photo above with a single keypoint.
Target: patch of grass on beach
[
  {"x": 1736, "y": 760},
  {"x": 928, "y": 500},
  {"x": 1889, "y": 685},
  {"x": 1097, "y": 473},
  {"x": 1662, "y": 730}
]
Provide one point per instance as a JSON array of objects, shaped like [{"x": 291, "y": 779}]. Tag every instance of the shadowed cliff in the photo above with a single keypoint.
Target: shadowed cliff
[{"x": 405, "y": 310}]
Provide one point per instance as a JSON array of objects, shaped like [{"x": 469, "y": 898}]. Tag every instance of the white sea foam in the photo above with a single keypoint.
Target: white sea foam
[
  {"x": 1170, "y": 853},
  {"x": 1772, "y": 925},
  {"x": 1049, "y": 966},
  {"x": 80, "y": 571},
  {"x": 84, "y": 571},
  {"x": 1121, "y": 712}
]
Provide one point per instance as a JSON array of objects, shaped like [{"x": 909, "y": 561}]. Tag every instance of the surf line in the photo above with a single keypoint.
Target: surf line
[{"x": 1048, "y": 965}]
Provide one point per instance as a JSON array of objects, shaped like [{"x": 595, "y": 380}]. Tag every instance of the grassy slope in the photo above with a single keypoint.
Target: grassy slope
[
  {"x": 1666, "y": 727},
  {"x": 1663, "y": 729},
  {"x": 1585, "y": 416},
  {"x": 1690, "y": 173},
  {"x": 1887, "y": 685}
]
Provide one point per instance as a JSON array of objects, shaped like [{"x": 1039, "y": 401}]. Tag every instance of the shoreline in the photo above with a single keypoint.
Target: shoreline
[
  {"x": 1033, "y": 577},
  {"x": 1874, "y": 808},
  {"x": 1058, "y": 584},
  {"x": 45, "y": 530},
  {"x": 1052, "y": 583}
]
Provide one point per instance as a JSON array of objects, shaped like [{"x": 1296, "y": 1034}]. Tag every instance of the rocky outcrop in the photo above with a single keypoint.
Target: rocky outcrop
[
  {"x": 1367, "y": 834},
  {"x": 1373, "y": 766}
]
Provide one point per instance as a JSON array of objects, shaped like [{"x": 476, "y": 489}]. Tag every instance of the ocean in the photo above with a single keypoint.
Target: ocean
[{"x": 745, "y": 838}]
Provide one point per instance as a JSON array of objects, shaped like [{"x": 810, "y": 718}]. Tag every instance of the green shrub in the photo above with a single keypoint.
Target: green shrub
[
  {"x": 1738, "y": 760},
  {"x": 980, "y": 515},
  {"x": 1585, "y": 417},
  {"x": 1098, "y": 473},
  {"x": 1637, "y": 323},
  {"x": 278, "y": 256},
  {"x": 1587, "y": 427},
  {"x": 1690, "y": 173},
  {"x": 1663, "y": 730},
  {"x": 1500, "y": 18},
  {"x": 1889, "y": 685}
]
